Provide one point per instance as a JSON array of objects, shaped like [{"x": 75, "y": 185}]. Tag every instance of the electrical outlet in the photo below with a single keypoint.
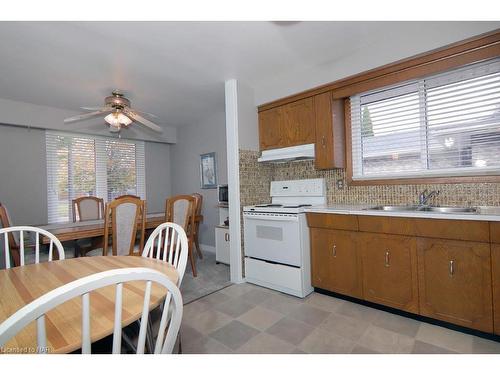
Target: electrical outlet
[{"x": 340, "y": 184}]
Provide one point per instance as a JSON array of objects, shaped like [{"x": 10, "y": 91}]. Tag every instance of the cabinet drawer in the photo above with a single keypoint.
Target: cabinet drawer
[
  {"x": 390, "y": 270},
  {"x": 332, "y": 221},
  {"x": 386, "y": 224},
  {"x": 465, "y": 230}
]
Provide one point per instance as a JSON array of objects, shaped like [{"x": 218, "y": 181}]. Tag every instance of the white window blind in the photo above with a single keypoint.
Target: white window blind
[
  {"x": 80, "y": 165},
  {"x": 443, "y": 125}
]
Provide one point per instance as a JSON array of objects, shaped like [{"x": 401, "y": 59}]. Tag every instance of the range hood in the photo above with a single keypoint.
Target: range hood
[{"x": 282, "y": 155}]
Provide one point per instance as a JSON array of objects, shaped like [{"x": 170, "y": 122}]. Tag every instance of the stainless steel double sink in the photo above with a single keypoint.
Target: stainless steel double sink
[{"x": 433, "y": 209}]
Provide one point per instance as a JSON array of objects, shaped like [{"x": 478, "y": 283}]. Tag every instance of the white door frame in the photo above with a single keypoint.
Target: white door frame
[{"x": 233, "y": 177}]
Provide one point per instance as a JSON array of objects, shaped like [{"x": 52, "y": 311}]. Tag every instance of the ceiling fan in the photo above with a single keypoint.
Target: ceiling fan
[{"x": 119, "y": 115}]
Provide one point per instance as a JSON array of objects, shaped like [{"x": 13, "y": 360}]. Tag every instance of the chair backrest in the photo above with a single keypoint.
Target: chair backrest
[
  {"x": 6, "y": 222},
  {"x": 181, "y": 210},
  {"x": 128, "y": 196},
  {"x": 87, "y": 208},
  {"x": 122, "y": 217},
  {"x": 169, "y": 243},
  {"x": 199, "y": 202},
  {"x": 37, "y": 309},
  {"x": 32, "y": 236}
]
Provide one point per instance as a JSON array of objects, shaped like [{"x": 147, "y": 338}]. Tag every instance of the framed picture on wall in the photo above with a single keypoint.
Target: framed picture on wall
[{"x": 208, "y": 171}]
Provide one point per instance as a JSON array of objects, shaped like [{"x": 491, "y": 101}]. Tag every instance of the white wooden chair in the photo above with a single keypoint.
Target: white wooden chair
[
  {"x": 37, "y": 309},
  {"x": 33, "y": 234},
  {"x": 169, "y": 243}
]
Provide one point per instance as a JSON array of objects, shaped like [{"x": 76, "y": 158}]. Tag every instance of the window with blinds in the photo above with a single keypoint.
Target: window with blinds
[
  {"x": 86, "y": 165},
  {"x": 442, "y": 125}
]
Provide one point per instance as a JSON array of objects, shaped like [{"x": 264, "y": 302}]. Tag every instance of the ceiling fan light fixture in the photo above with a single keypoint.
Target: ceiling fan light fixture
[{"x": 117, "y": 119}]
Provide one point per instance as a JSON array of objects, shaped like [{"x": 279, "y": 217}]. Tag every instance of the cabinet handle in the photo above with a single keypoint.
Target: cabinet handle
[
  {"x": 452, "y": 268},
  {"x": 334, "y": 251},
  {"x": 387, "y": 259},
  {"x": 323, "y": 141},
  {"x": 226, "y": 236}
]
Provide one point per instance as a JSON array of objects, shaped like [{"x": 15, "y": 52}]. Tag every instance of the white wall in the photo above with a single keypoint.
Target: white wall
[
  {"x": 23, "y": 174},
  {"x": 248, "y": 128},
  {"x": 192, "y": 141},
  {"x": 412, "y": 38}
]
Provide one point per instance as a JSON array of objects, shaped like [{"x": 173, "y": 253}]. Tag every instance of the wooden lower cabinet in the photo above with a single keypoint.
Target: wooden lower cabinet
[
  {"x": 495, "y": 269},
  {"x": 335, "y": 261},
  {"x": 455, "y": 282},
  {"x": 390, "y": 270}
]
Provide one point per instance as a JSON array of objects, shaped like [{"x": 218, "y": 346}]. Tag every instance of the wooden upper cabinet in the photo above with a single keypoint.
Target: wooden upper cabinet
[
  {"x": 270, "y": 128},
  {"x": 335, "y": 261},
  {"x": 298, "y": 123},
  {"x": 455, "y": 282},
  {"x": 288, "y": 125},
  {"x": 330, "y": 137},
  {"x": 390, "y": 270}
]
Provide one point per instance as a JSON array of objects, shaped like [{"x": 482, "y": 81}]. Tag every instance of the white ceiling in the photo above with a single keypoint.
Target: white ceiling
[{"x": 177, "y": 70}]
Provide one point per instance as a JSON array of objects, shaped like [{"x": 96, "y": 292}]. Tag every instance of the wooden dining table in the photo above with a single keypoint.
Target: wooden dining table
[
  {"x": 93, "y": 228},
  {"x": 22, "y": 285}
]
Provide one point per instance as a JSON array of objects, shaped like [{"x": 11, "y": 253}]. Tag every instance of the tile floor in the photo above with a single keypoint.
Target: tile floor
[{"x": 246, "y": 318}]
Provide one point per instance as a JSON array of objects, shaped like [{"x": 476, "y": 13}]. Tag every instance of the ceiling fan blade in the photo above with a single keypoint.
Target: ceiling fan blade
[
  {"x": 91, "y": 108},
  {"x": 85, "y": 116},
  {"x": 142, "y": 120},
  {"x": 144, "y": 113}
]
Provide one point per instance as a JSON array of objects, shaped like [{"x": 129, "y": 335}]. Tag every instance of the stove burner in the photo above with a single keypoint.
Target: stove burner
[
  {"x": 298, "y": 206},
  {"x": 269, "y": 205}
]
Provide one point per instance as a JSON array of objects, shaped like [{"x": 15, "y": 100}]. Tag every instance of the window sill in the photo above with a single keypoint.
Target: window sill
[{"x": 425, "y": 180}]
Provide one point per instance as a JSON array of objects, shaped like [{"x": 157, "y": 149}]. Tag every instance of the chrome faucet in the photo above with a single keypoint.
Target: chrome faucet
[{"x": 424, "y": 197}]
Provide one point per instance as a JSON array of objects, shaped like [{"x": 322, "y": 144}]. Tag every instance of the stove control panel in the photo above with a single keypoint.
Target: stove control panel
[{"x": 314, "y": 187}]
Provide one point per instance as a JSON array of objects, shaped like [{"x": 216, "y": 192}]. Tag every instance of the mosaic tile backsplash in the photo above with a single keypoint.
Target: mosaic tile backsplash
[{"x": 255, "y": 179}]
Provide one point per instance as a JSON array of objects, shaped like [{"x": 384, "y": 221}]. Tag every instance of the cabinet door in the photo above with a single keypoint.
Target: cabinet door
[
  {"x": 390, "y": 270},
  {"x": 335, "y": 263},
  {"x": 298, "y": 122},
  {"x": 222, "y": 245},
  {"x": 270, "y": 128},
  {"x": 495, "y": 268},
  {"x": 455, "y": 282},
  {"x": 329, "y": 129}
]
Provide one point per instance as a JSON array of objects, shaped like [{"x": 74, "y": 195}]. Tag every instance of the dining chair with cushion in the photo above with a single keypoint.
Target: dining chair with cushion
[
  {"x": 125, "y": 220},
  {"x": 180, "y": 210},
  {"x": 170, "y": 320},
  {"x": 197, "y": 221},
  {"x": 30, "y": 237},
  {"x": 6, "y": 222},
  {"x": 84, "y": 209},
  {"x": 128, "y": 196}
]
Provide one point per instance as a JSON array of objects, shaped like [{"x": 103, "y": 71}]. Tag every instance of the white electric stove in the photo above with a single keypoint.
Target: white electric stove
[{"x": 276, "y": 237}]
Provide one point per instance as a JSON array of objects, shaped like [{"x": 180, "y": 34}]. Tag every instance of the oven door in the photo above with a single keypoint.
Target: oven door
[{"x": 272, "y": 237}]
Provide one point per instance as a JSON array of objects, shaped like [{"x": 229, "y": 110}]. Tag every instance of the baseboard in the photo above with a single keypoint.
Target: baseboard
[{"x": 207, "y": 248}]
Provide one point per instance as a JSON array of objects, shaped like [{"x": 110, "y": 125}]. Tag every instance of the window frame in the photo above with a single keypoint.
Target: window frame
[
  {"x": 100, "y": 168},
  {"x": 430, "y": 177}
]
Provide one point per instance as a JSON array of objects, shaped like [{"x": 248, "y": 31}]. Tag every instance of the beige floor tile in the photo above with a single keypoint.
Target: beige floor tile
[
  {"x": 344, "y": 326},
  {"x": 257, "y": 296},
  {"x": 321, "y": 341},
  {"x": 234, "y": 307},
  {"x": 264, "y": 343},
  {"x": 215, "y": 298},
  {"x": 194, "y": 308},
  {"x": 445, "y": 338},
  {"x": 208, "y": 321},
  {"x": 358, "y": 349},
  {"x": 260, "y": 318},
  {"x": 485, "y": 346},
  {"x": 281, "y": 303},
  {"x": 205, "y": 345},
  {"x": 324, "y": 302},
  {"x": 290, "y": 330},
  {"x": 309, "y": 314},
  {"x": 237, "y": 290},
  {"x": 385, "y": 341},
  {"x": 189, "y": 334},
  {"x": 357, "y": 311},
  {"x": 397, "y": 323},
  {"x": 234, "y": 334},
  {"x": 421, "y": 347}
]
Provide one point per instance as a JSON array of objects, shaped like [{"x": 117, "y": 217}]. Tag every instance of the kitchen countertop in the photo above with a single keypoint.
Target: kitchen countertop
[{"x": 487, "y": 213}]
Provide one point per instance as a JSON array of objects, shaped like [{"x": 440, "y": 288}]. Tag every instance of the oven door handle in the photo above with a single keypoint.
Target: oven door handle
[{"x": 271, "y": 218}]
